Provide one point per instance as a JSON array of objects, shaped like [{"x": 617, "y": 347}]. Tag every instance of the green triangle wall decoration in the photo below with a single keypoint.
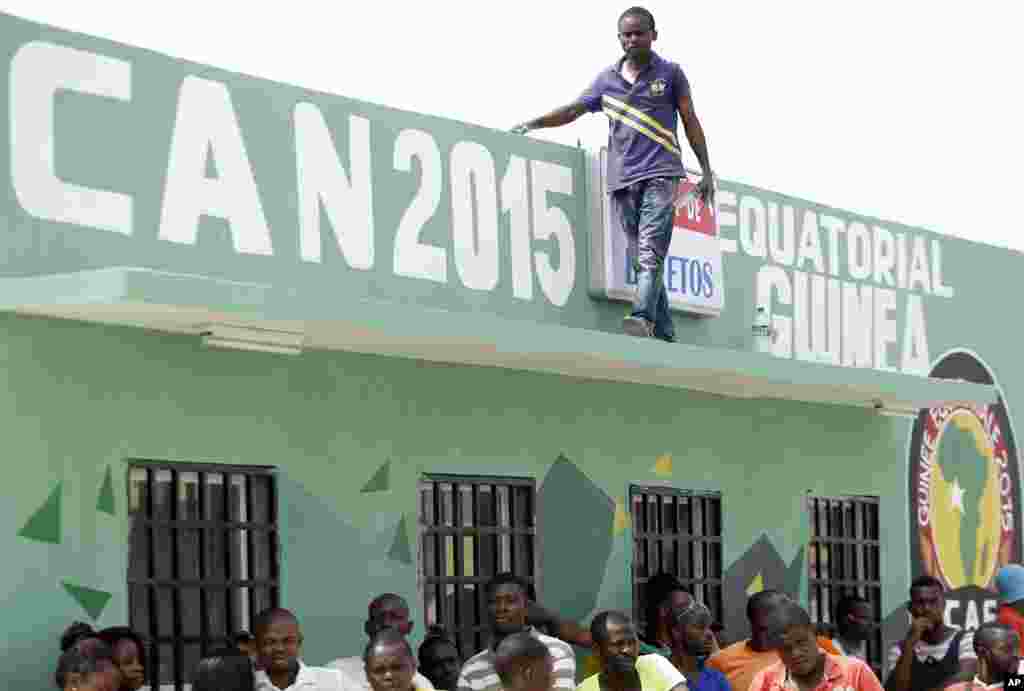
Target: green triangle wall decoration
[
  {"x": 400, "y": 550},
  {"x": 105, "y": 503},
  {"x": 381, "y": 480},
  {"x": 91, "y": 600},
  {"x": 44, "y": 524}
]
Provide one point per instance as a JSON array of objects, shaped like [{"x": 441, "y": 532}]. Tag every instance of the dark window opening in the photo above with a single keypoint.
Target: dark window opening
[
  {"x": 202, "y": 560},
  {"x": 677, "y": 532},
  {"x": 843, "y": 559},
  {"x": 470, "y": 529}
]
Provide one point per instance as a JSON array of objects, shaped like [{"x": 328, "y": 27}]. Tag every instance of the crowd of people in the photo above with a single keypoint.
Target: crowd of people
[{"x": 531, "y": 649}]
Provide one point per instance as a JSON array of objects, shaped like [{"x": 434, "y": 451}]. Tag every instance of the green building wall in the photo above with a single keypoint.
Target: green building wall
[
  {"x": 328, "y": 421},
  {"x": 79, "y": 401}
]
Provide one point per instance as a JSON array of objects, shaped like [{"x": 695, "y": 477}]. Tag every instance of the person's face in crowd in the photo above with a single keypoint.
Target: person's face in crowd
[
  {"x": 928, "y": 602},
  {"x": 128, "y": 659},
  {"x": 766, "y": 627},
  {"x": 677, "y": 599},
  {"x": 693, "y": 638},
  {"x": 98, "y": 681},
  {"x": 279, "y": 644},
  {"x": 998, "y": 659},
  {"x": 441, "y": 665},
  {"x": 388, "y": 613},
  {"x": 108, "y": 676},
  {"x": 247, "y": 646},
  {"x": 390, "y": 668},
  {"x": 507, "y": 606},
  {"x": 857, "y": 626},
  {"x": 539, "y": 675},
  {"x": 799, "y": 650},
  {"x": 636, "y": 37},
  {"x": 618, "y": 654}
]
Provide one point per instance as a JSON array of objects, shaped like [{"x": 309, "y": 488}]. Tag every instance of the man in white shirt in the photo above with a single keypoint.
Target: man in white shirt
[
  {"x": 390, "y": 664},
  {"x": 278, "y": 644},
  {"x": 387, "y": 611}
]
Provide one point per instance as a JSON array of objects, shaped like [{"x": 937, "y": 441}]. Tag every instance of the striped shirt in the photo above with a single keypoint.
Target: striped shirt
[
  {"x": 479, "y": 674},
  {"x": 642, "y": 120}
]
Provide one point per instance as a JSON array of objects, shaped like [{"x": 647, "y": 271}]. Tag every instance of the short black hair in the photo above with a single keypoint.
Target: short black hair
[
  {"x": 991, "y": 632},
  {"x": 74, "y": 633},
  {"x": 74, "y": 661},
  {"x": 224, "y": 673},
  {"x": 764, "y": 599},
  {"x": 506, "y": 578},
  {"x": 386, "y": 637},
  {"x": 657, "y": 589},
  {"x": 845, "y": 607},
  {"x": 795, "y": 616},
  {"x": 641, "y": 12},
  {"x": 927, "y": 582},
  {"x": 386, "y": 597},
  {"x": 693, "y": 612},
  {"x": 270, "y": 616},
  {"x": 115, "y": 634},
  {"x": 515, "y": 652},
  {"x": 599, "y": 625},
  {"x": 436, "y": 635}
]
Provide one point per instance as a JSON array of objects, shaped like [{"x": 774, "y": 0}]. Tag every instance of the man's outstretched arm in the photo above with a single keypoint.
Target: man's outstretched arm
[{"x": 556, "y": 118}]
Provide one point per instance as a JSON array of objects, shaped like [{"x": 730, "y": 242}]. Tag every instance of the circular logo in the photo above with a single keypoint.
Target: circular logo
[{"x": 964, "y": 485}]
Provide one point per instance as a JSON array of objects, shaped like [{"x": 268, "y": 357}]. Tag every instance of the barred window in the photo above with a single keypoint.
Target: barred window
[
  {"x": 470, "y": 529},
  {"x": 843, "y": 559},
  {"x": 677, "y": 532},
  {"x": 202, "y": 560}
]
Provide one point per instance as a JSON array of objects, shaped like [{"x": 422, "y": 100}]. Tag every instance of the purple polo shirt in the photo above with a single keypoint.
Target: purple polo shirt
[{"x": 642, "y": 121}]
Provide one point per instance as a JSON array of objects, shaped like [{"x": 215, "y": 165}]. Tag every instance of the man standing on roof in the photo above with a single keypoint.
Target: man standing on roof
[{"x": 643, "y": 96}]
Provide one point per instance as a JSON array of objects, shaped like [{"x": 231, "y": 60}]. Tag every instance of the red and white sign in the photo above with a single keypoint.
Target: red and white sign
[{"x": 693, "y": 267}]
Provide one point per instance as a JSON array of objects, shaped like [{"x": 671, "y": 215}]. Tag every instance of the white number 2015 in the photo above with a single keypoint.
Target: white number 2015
[{"x": 476, "y": 246}]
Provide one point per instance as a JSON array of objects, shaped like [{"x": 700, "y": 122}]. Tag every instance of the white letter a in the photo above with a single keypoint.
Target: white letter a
[{"x": 206, "y": 123}]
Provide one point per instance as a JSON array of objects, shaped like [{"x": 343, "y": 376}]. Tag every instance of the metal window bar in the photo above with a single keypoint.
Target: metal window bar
[
  {"x": 173, "y": 511},
  {"x": 843, "y": 558},
  {"x": 470, "y": 528},
  {"x": 678, "y": 532}
]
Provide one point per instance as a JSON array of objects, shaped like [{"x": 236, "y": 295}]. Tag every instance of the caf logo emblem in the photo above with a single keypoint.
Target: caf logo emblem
[
  {"x": 964, "y": 480},
  {"x": 658, "y": 87}
]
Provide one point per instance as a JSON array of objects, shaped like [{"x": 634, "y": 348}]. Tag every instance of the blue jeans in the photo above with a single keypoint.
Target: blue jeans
[{"x": 646, "y": 213}]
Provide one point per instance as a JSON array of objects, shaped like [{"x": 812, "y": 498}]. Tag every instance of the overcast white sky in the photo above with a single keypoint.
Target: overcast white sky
[{"x": 903, "y": 109}]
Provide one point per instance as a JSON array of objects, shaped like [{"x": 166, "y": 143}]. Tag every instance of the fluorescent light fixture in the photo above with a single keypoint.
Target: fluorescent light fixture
[
  {"x": 235, "y": 337},
  {"x": 898, "y": 412},
  {"x": 894, "y": 410}
]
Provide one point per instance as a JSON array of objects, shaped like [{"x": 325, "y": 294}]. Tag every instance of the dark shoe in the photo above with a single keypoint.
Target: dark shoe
[{"x": 638, "y": 326}]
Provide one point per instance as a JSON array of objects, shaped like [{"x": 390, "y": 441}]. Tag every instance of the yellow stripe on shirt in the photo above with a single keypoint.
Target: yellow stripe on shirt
[
  {"x": 642, "y": 130},
  {"x": 640, "y": 115}
]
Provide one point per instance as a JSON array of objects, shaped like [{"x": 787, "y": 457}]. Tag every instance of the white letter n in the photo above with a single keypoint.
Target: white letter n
[{"x": 348, "y": 200}]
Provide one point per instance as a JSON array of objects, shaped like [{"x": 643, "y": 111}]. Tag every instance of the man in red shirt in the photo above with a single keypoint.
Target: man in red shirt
[
  {"x": 806, "y": 667},
  {"x": 740, "y": 661},
  {"x": 1010, "y": 586}
]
